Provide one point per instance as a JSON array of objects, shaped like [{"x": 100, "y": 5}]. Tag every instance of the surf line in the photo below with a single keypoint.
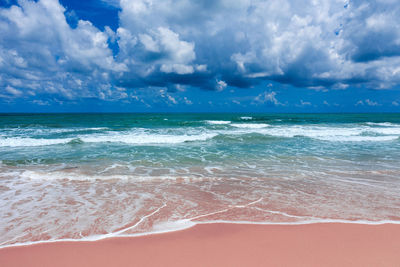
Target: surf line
[
  {"x": 227, "y": 209},
  {"x": 139, "y": 222}
]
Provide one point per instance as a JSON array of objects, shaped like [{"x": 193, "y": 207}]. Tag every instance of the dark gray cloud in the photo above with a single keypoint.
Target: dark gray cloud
[{"x": 205, "y": 44}]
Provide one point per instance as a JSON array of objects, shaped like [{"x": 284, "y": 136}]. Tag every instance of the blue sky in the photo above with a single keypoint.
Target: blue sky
[{"x": 213, "y": 56}]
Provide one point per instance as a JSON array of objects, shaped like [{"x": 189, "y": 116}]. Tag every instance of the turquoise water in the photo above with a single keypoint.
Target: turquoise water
[{"x": 82, "y": 176}]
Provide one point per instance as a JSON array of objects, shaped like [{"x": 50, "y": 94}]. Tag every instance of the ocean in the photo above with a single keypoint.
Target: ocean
[{"x": 91, "y": 176}]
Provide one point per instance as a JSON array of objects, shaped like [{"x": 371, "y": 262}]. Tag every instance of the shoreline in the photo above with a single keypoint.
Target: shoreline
[
  {"x": 225, "y": 244},
  {"x": 191, "y": 224}
]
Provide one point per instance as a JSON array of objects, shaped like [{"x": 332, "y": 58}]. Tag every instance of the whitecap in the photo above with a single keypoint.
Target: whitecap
[
  {"x": 250, "y": 125},
  {"x": 246, "y": 118},
  {"x": 26, "y": 142},
  {"x": 218, "y": 122},
  {"x": 147, "y": 138},
  {"x": 386, "y": 124}
]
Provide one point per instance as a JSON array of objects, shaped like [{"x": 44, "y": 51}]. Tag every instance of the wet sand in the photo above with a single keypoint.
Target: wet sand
[{"x": 320, "y": 244}]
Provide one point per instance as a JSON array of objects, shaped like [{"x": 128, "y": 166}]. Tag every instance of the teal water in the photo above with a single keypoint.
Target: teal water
[{"x": 82, "y": 176}]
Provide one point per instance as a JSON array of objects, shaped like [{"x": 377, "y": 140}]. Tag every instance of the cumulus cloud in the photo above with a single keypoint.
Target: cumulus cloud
[
  {"x": 187, "y": 101},
  {"x": 12, "y": 91},
  {"x": 44, "y": 54},
  {"x": 211, "y": 45},
  {"x": 267, "y": 98},
  {"x": 371, "y": 103},
  {"x": 221, "y": 85},
  {"x": 367, "y": 102}
]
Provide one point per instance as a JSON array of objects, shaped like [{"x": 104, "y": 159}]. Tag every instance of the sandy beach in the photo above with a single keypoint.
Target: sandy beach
[{"x": 328, "y": 244}]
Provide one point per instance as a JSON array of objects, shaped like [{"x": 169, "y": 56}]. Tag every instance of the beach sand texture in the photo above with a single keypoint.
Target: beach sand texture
[{"x": 328, "y": 244}]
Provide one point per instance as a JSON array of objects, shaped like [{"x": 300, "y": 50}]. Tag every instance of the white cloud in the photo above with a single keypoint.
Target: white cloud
[
  {"x": 149, "y": 43},
  {"x": 57, "y": 55},
  {"x": 367, "y": 102},
  {"x": 221, "y": 85},
  {"x": 172, "y": 99},
  {"x": 304, "y": 43},
  {"x": 11, "y": 90},
  {"x": 267, "y": 97},
  {"x": 371, "y": 103},
  {"x": 360, "y": 103},
  {"x": 176, "y": 68},
  {"x": 316, "y": 44},
  {"x": 160, "y": 46},
  {"x": 187, "y": 101}
]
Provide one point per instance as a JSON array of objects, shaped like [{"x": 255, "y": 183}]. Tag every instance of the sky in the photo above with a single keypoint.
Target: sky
[{"x": 199, "y": 56}]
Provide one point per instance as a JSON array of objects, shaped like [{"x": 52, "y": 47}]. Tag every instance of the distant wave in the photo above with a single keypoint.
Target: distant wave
[
  {"x": 386, "y": 124},
  {"x": 117, "y": 138},
  {"x": 26, "y": 142},
  {"x": 218, "y": 122},
  {"x": 145, "y": 138},
  {"x": 246, "y": 118},
  {"x": 330, "y": 133},
  {"x": 250, "y": 125},
  {"x": 340, "y": 133}
]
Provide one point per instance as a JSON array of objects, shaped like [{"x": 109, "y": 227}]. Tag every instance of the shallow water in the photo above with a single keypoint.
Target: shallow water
[{"x": 88, "y": 176}]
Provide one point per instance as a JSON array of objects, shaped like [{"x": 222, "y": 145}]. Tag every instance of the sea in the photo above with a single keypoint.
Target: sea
[{"x": 92, "y": 176}]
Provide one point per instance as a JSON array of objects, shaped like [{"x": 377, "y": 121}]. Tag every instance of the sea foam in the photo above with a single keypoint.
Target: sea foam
[
  {"x": 218, "y": 122},
  {"x": 250, "y": 125},
  {"x": 128, "y": 138}
]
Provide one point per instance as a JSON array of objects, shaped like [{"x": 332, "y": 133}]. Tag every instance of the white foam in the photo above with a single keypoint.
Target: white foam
[
  {"x": 162, "y": 228},
  {"x": 303, "y": 222},
  {"x": 128, "y": 138},
  {"x": 250, "y": 125},
  {"x": 246, "y": 118},
  {"x": 25, "y": 142},
  {"x": 218, "y": 122},
  {"x": 76, "y": 176},
  {"x": 330, "y": 133},
  {"x": 115, "y": 165},
  {"x": 394, "y": 130},
  {"x": 141, "y": 136},
  {"x": 170, "y": 226},
  {"x": 386, "y": 124},
  {"x": 147, "y": 138}
]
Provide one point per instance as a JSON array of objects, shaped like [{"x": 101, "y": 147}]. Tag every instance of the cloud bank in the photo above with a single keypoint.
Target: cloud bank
[{"x": 206, "y": 44}]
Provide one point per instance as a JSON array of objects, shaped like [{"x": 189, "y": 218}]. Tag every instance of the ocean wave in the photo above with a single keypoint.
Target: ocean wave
[
  {"x": 342, "y": 134},
  {"x": 141, "y": 136},
  {"x": 250, "y": 125},
  {"x": 128, "y": 138},
  {"x": 46, "y": 130},
  {"x": 385, "y": 124},
  {"x": 218, "y": 122},
  {"x": 358, "y": 138},
  {"x": 145, "y": 138},
  {"x": 28, "y": 142}
]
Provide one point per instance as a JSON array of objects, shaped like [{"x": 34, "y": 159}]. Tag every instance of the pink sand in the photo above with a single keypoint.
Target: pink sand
[{"x": 330, "y": 244}]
